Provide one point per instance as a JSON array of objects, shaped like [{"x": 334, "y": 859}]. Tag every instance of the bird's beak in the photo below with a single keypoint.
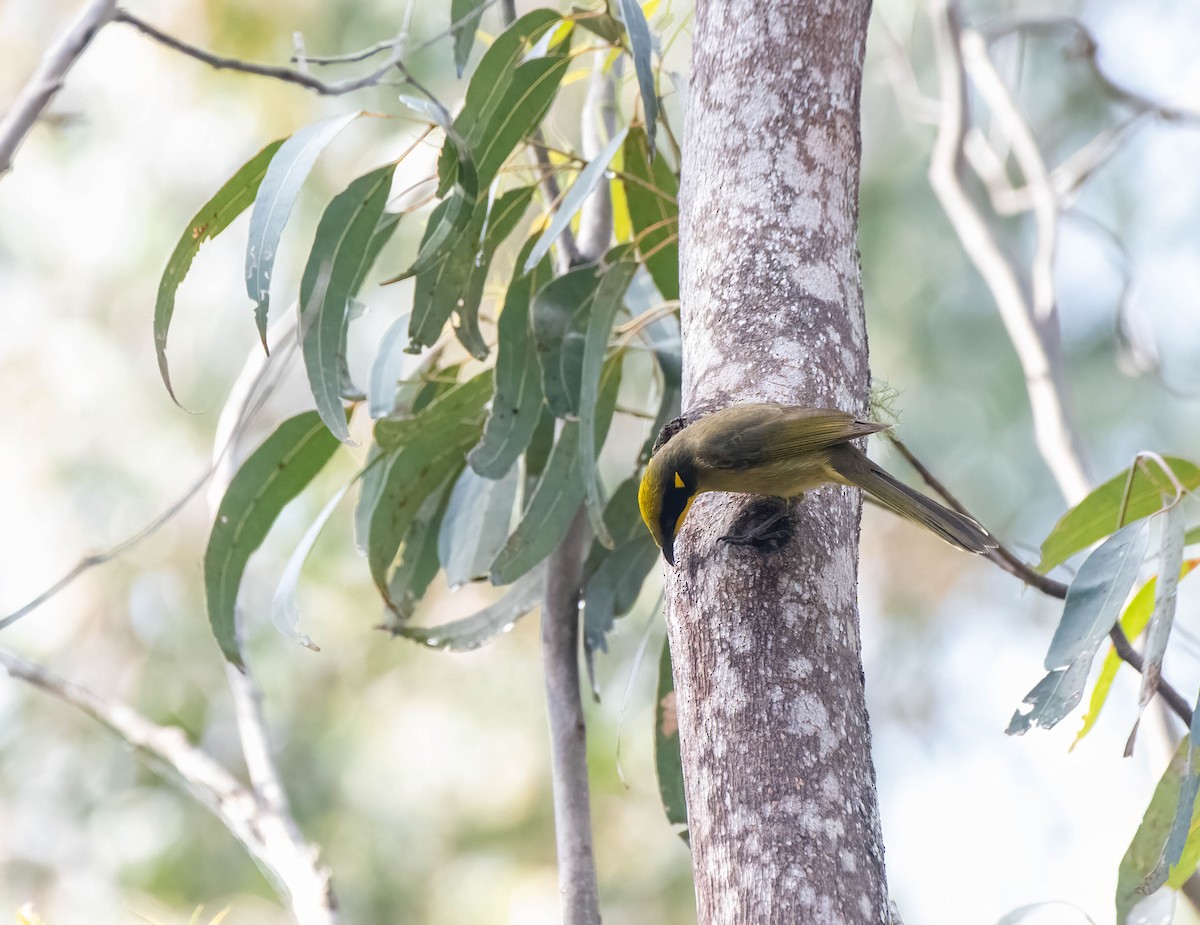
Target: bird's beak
[{"x": 669, "y": 551}]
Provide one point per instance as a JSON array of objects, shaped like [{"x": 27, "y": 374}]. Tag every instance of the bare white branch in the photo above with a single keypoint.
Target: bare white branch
[
  {"x": 49, "y": 77},
  {"x": 1035, "y": 339}
]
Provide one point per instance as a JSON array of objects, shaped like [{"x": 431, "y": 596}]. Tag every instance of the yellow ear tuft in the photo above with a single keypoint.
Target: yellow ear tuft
[{"x": 678, "y": 481}]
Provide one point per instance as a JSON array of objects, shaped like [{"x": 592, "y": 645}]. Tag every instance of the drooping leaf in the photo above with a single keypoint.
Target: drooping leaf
[
  {"x": 418, "y": 563},
  {"x": 640, "y": 47},
  {"x": 614, "y": 577},
  {"x": 668, "y": 762},
  {"x": 1093, "y": 603},
  {"x": 474, "y": 631},
  {"x": 341, "y": 249},
  {"x": 503, "y": 217},
  {"x": 601, "y": 24},
  {"x": 384, "y": 232},
  {"x": 476, "y": 524},
  {"x": 214, "y": 217},
  {"x": 1133, "y": 622},
  {"x": 517, "y": 403},
  {"x": 431, "y": 444},
  {"x": 537, "y": 454},
  {"x": 271, "y": 477},
  {"x": 370, "y": 481},
  {"x": 576, "y": 196},
  {"x": 464, "y": 20},
  {"x": 285, "y": 608},
  {"x": 273, "y": 204},
  {"x": 387, "y": 369},
  {"x": 558, "y": 494},
  {"x": 619, "y": 267},
  {"x": 652, "y": 193},
  {"x": 450, "y": 221},
  {"x": 559, "y": 319},
  {"x": 1138, "y": 865},
  {"x": 1171, "y": 527},
  {"x": 1095, "y": 517},
  {"x": 456, "y": 401}
]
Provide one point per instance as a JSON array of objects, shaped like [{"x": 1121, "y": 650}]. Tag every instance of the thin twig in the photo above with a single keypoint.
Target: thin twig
[
  {"x": 44, "y": 85},
  {"x": 1011, "y": 563}
]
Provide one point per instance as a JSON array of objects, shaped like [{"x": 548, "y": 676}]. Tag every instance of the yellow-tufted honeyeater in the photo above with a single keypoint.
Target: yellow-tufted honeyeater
[{"x": 765, "y": 448}]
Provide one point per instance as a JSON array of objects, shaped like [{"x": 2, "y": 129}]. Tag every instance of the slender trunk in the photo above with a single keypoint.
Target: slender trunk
[{"x": 782, "y": 808}]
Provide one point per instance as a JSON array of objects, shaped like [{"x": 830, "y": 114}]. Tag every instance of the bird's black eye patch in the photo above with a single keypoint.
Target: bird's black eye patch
[{"x": 675, "y": 502}]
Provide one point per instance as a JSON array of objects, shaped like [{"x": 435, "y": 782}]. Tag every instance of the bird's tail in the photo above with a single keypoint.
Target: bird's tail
[{"x": 956, "y": 529}]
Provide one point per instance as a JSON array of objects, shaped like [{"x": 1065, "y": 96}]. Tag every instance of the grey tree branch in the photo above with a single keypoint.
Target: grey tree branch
[
  {"x": 49, "y": 77},
  {"x": 1035, "y": 338},
  {"x": 268, "y": 835}
]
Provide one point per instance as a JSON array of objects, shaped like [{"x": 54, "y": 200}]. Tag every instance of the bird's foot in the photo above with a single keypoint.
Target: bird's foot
[{"x": 764, "y": 524}]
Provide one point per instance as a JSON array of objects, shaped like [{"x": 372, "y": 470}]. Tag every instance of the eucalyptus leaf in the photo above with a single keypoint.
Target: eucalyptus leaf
[
  {"x": 1170, "y": 558},
  {"x": 559, "y": 319},
  {"x": 576, "y": 196},
  {"x": 476, "y": 524},
  {"x": 269, "y": 478},
  {"x": 273, "y": 204},
  {"x": 474, "y": 631},
  {"x": 340, "y": 250},
  {"x": 652, "y": 195},
  {"x": 640, "y": 46},
  {"x": 418, "y": 562},
  {"x": 390, "y": 362},
  {"x": 558, "y": 494},
  {"x": 517, "y": 403},
  {"x": 214, "y": 217},
  {"x": 1094, "y": 601},
  {"x": 285, "y": 608},
  {"x": 434, "y": 444},
  {"x": 464, "y": 20},
  {"x": 668, "y": 761},
  {"x": 1095, "y": 516},
  {"x": 619, "y": 267}
]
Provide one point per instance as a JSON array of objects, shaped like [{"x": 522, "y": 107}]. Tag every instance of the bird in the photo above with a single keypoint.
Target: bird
[{"x": 779, "y": 450}]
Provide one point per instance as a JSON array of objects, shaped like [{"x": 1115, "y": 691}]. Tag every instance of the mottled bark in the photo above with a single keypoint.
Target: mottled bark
[{"x": 776, "y": 745}]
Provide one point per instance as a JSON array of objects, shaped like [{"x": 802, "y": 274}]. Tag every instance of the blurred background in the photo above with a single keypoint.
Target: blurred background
[{"x": 423, "y": 775}]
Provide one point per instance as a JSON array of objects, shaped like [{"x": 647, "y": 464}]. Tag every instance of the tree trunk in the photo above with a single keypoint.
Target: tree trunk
[{"x": 784, "y": 823}]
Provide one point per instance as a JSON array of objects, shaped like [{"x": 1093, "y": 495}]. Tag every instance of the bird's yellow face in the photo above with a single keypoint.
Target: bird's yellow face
[{"x": 665, "y": 497}]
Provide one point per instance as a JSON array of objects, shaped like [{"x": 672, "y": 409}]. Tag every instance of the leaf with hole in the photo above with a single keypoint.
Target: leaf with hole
[
  {"x": 214, "y": 217},
  {"x": 269, "y": 478},
  {"x": 273, "y": 204}
]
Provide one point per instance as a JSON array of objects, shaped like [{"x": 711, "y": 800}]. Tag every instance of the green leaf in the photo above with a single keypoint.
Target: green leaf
[
  {"x": 668, "y": 761},
  {"x": 517, "y": 403},
  {"x": 576, "y": 196},
  {"x": 614, "y": 576},
  {"x": 620, "y": 266},
  {"x": 214, "y": 217},
  {"x": 1093, "y": 603},
  {"x": 559, "y": 320},
  {"x": 476, "y": 524},
  {"x": 426, "y": 447},
  {"x": 273, "y": 204},
  {"x": 384, "y": 232},
  {"x": 652, "y": 193},
  {"x": 600, "y": 23},
  {"x": 1171, "y": 528},
  {"x": 464, "y": 20},
  {"x": 537, "y": 454},
  {"x": 271, "y": 477},
  {"x": 1133, "y": 621},
  {"x": 450, "y": 221},
  {"x": 558, "y": 494},
  {"x": 370, "y": 481},
  {"x": 502, "y": 220},
  {"x": 387, "y": 369},
  {"x": 285, "y": 608},
  {"x": 480, "y": 628},
  {"x": 337, "y": 262},
  {"x": 1138, "y": 870},
  {"x": 1095, "y": 517},
  {"x": 639, "y": 47},
  {"x": 418, "y": 562}
]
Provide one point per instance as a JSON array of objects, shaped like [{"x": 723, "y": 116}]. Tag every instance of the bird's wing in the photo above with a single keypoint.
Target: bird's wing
[{"x": 743, "y": 436}]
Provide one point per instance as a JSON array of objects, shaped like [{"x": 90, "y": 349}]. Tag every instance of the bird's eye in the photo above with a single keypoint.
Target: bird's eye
[{"x": 678, "y": 480}]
